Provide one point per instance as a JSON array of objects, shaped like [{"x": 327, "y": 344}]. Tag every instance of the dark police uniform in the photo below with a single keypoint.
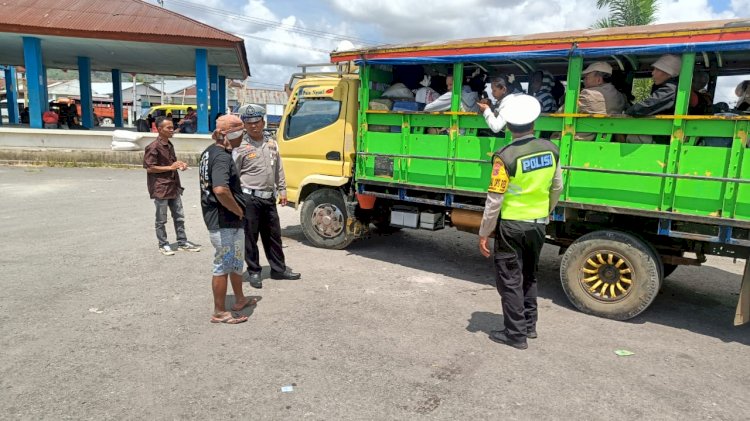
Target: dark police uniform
[{"x": 525, "y": 185}]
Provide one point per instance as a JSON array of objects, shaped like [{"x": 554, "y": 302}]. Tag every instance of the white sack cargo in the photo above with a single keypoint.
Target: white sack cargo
[
  {"x": 126, "y": 136},
  {"x": 125, "y": 146},
  {"x": 398, "y": 91}
]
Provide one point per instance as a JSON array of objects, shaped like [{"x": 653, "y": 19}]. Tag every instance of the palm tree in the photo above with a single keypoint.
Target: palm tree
[
  {"x": 627, "y": 12},
  {"x": 630, "y": 13}
]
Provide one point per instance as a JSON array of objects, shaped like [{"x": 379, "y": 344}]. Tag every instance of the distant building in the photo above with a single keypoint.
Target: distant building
[{"x": 272, "y": 100}]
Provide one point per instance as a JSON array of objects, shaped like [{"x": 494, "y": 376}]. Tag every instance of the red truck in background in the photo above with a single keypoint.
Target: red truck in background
[{"x": 104, "y": 111}]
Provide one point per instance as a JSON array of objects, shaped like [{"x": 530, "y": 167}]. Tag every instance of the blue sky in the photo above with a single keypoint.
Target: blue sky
[{"x": 719, "y": 5}]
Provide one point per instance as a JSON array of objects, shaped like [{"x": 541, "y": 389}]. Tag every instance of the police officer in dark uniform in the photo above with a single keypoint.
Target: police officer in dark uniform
[
  {"x": 262, "y": 178},
  {"x": 525, "y": 185}
]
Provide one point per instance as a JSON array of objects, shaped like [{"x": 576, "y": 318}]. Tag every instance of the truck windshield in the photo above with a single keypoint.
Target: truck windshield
[{"x": 311, "y": 114}]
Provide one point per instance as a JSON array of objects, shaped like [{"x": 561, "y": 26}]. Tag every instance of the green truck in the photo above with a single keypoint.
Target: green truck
[{"x": 629, "y": 213}]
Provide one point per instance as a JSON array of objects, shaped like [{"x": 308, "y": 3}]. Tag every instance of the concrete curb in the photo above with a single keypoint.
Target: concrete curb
[
  {"x": 57, "y": 157},
  {"x": 86, "y": 148}
]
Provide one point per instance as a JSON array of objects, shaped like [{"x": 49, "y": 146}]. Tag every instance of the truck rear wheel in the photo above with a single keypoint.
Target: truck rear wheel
[
  {"x": 324, "y": 217},
  {"x": 611, "y": 274}
]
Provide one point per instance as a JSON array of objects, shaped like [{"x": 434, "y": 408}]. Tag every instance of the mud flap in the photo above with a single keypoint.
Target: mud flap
[
  {"x": 742, "y": 315},
  {"x": 353, "y": 225}
]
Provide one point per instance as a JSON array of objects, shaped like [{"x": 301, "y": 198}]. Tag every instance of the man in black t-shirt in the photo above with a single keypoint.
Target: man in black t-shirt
[{"x": 223, "y": 210}]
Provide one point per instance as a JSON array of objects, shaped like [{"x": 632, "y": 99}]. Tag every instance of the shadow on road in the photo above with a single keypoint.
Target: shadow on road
[
  {"x": 449, "y": 253},
  {"x": 484, "y": 321},
  {"x": 698, "y": 299},
  {"x": 247, "y": 311},
  {"x": 702, "y": 300}
]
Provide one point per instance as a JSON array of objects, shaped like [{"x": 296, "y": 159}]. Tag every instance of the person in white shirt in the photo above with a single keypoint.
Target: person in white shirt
[
  {"x": 502, "y": 89},
  {"x": 469, "y": 99}
]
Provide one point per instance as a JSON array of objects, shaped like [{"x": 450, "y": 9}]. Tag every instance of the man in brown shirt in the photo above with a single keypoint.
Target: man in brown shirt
[{"x": 163, "y": 181}]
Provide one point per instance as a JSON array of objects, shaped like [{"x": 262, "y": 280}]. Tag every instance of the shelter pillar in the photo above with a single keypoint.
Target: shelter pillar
[
  {"x": 222, "y": 94},
  {"x": 201, "y": 88},
  {"x": 213, "y": 83},
  {"x": 32, "y": 58},
  {"x": 87, "y": 104},
  {"x": 45, "y": 89},
  {"x": 11, "y": 89},
  {"x": 117, "y": 96}
]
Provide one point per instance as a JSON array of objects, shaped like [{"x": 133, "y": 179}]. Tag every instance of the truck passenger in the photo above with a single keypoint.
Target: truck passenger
[
  {"x": 501, "y": 90},
  {"x": 700, "y": 100},
  {"x": 598, "y": 95},
  {"x": 663, "y": 94},
  {"x": 540, "y": 86},
  {"x": 662, "y": 98},
  {"x": 469, "y": 98}
]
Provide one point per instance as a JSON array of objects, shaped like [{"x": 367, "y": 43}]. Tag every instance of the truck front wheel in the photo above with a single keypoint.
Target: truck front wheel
[
  {"x": 324, "y": 218},
  {"x": 611, "y": 274}
]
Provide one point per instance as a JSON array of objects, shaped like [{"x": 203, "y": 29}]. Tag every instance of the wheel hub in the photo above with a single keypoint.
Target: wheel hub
[
  {"x": 607, "y": 276},
  {"x": 328, "y": 220}
]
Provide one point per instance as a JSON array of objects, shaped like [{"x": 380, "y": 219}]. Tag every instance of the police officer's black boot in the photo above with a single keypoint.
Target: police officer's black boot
[
  {"x": 286, "y": 274},
  {"x": 254, "y": 279},
  {"x": 500, "y": 336},
  {"x": 531, "y": 333}
]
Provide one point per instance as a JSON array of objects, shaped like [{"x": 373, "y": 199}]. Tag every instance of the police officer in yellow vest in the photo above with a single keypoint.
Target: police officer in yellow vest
[{"x": 524, "y": 187}]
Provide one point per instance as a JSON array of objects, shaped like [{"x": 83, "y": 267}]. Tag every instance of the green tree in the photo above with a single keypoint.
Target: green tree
[
  {"x": 630, "y": 13},
  {"x": 627, "y": 12}
]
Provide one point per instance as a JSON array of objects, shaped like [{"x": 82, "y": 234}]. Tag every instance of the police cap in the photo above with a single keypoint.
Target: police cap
[
  {"x": 520, "y": 109},
  {"x": 251, "y": 113}
]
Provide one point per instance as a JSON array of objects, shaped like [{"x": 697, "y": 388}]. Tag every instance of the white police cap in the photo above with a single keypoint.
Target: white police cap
[
  {"x": 520, "y": 109},
  {"x": 251, "y": 113}
]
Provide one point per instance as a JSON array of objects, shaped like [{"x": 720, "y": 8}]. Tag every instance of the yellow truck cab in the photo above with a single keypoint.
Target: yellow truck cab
[{"x": 317, "y": 135}]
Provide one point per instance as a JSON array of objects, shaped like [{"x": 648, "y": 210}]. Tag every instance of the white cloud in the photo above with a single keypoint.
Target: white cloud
[
  {"x": 688, "y": 11},
  {"x": 275, "y": 51},
  {"x": 450, "y": 19},
  {"x": 740, "y": 7}
]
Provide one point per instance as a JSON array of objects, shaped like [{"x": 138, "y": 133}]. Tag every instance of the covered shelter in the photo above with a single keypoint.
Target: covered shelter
[{"x": 128, "y": 36}]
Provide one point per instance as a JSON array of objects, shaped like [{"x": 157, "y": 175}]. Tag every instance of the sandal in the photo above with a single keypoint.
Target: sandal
[{"x": 230, "y": 319}]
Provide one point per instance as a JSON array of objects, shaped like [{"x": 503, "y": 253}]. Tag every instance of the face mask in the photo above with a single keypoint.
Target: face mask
[{"x": 234, "y": 135}]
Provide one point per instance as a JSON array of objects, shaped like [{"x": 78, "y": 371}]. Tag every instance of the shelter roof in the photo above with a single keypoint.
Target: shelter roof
[{"x": 130, "y": 35}]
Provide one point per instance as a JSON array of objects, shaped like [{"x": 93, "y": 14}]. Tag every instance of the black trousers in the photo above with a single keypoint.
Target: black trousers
[
  {"x": 517, "y": 248},
  {"x": 261, "y": 218}
]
